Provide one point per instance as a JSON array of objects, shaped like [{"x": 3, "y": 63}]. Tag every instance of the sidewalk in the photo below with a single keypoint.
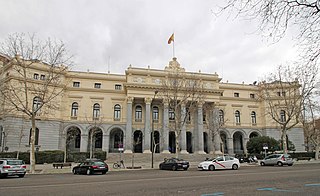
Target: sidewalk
[{"x": 49, "y": 169}]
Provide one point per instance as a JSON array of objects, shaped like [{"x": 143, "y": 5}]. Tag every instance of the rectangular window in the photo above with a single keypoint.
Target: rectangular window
[
  {"x": 97, "y": 85},
  {"x": 42, "y": 77},
  {"x": 236, "y": 94},
  {"x": 76, "y": 84},
  {"x": 252, "y": 96},
  {"x": 118, "y": 87},
  {"x": 36, "y": 76}
]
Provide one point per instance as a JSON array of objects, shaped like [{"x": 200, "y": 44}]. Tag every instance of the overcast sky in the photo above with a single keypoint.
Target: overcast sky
[{"x": 124, "y": 32}]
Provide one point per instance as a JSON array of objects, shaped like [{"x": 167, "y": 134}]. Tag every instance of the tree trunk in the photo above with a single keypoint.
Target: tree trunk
[
  {"x": 65, "y": 152},
  {"x": 32, "y": 145},
  {"x": 317, "y": 148},
  {"x": 284, "y": 141}
]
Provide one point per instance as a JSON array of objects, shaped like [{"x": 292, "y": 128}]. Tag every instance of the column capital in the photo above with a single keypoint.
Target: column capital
[
  {"x": 165, "y": 101},
  {"x": 200, "y": 104},
  {"x": 148, "y": 100},
  {"x": 129, "y": 99}
]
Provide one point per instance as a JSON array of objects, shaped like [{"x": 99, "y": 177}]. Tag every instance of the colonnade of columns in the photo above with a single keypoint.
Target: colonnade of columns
[{"x": 164, "y": 144}]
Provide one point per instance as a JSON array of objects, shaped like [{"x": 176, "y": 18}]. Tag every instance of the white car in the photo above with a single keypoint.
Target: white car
[{"x": 221, "y": 162}]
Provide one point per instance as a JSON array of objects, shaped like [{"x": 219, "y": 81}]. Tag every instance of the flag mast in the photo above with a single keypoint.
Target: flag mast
[{"x": 171, "y": 39}]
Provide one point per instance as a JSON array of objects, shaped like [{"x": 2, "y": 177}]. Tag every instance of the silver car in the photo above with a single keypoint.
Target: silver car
[
  {"x": 12, "y": 167},
  {"x": 277, "y": 159}
]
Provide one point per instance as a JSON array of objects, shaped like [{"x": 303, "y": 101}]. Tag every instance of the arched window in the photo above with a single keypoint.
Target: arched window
[
  {"x": 138, "y": 115},
  {"x": 155, "y": 113},
  {"x": 36, "y": 139},
  {"x": 237, "y": 117},
  {"x": 283, "y": 116},
  {"x": 96, "y": 110},
  {"x": 117, "y": 112},
  {"x": 253, "y": 118},
  {"x": 36, "y": 103},
  {"x": 221, "y": 117},
  {"x": 74, "y": 109}
]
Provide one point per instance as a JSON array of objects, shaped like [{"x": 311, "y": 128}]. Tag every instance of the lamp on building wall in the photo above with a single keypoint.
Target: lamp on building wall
[{"x": 152, "y": 131}]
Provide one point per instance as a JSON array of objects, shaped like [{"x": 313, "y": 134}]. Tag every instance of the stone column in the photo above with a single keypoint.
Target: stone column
[
  {"x": 245, "y": 151},
  {"x": 105, "y": 142},
  {"x": 230, "y": 146},
  {"x": 84, "y": 142},
  {"x": 165, "y": 128},
  {"x": 147, "y": 129},
  {"x": 200, "y": 149},
  {"x": 128, "y": 134},
  {"x": 183, "y": 134},
  {"x": 217, "y": 137}
]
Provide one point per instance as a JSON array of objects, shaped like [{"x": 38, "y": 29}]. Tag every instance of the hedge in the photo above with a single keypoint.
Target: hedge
[{"x": 53, "y": 156}]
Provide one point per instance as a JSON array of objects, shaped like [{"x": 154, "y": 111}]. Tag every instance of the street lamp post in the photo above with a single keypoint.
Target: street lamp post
[{"x": 152, "y": 131}]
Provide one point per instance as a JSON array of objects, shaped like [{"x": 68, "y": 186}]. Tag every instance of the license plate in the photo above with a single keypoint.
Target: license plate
[{"x": 184, "y": 166}]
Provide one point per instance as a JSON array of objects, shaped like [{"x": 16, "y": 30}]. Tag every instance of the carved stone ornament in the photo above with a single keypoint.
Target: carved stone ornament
[
  {"x": 129, "y": 99},
  {"x": 174, "y": 65}
]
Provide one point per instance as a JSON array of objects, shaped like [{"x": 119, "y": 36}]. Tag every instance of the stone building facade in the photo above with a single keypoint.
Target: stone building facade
[{"x": 123, "y": 110}]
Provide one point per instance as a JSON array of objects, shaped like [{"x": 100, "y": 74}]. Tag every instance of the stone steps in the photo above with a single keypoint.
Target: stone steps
[{"x": 144, "y": 159}]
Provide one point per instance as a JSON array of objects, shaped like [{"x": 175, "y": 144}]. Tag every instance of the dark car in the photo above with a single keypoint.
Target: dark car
[
  {"x": 174, "y": 164},
  {"x": 91, "y": 166}
]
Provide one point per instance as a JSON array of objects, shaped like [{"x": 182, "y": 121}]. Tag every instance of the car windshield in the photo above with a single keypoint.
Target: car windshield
[
  {"x": 15, "y": 162},
  {"x": 98, "y": 163}
]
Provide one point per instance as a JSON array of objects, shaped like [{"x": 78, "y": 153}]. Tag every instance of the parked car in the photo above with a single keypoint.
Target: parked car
[
  {"x": 174, "y": 164},
  {"x": 277, "y": 159},
  {"x": 12, "y": 167},
  {"x": 91, "y": 166},
  {"x": 221, "y": 162}
]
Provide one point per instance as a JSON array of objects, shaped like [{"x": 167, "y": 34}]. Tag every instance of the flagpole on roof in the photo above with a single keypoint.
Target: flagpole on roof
[
  {"x": 173, "y": 49},
  {"x": 171, "y": 39}
]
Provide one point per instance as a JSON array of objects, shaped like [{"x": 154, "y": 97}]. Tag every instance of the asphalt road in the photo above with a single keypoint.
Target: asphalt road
[{"x": 256, "y": 180}]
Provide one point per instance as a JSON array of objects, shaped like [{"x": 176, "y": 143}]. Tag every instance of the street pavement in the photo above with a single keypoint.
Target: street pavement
[{"x": 49, "y": 169}]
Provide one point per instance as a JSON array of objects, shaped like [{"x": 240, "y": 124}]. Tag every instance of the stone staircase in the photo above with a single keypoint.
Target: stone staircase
[{"x": 143, "y": 160}]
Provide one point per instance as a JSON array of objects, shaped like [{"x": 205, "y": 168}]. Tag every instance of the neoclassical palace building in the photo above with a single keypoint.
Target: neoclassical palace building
[{"x": 122, "y": 110}]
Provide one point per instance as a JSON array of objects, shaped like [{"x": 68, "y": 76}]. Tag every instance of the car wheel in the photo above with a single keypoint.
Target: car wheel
[
  {"x": 3, "y": 175},
  {"x": 279, "y": 163},
  {"x": 104, "y": 172},
  {"x": 290, "y": 164},
  {"x": 211, "y": 168},
  {"x": 185, "y": 169},
  {"x": 21, "y": 175},
  {"x": 160, "y": 167},
  {"x": 74, "y": 171},
  {"x": 262, "y": 164},
  {"x": 234, "y": 166},
  {"x": 88, "y": 172},
  {"x": 174, "y": 168}
]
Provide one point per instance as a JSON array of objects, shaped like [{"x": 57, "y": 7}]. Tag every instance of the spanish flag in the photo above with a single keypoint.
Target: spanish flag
[{"x": 171, "y": 39}]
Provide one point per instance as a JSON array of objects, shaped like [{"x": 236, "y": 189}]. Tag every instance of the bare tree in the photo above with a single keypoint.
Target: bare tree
[
  {"x": 21, "y": 135},
  {"x": 215, "y": 123},
  {"x": 22, "y": 90},
  {"x": 70, "y": 137},
  {"x": 311, "y": 126},
  {"x": 182, "y": 92},
  {"x": 284, "y": 93},
  {"x": 275, "y": 17}
]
